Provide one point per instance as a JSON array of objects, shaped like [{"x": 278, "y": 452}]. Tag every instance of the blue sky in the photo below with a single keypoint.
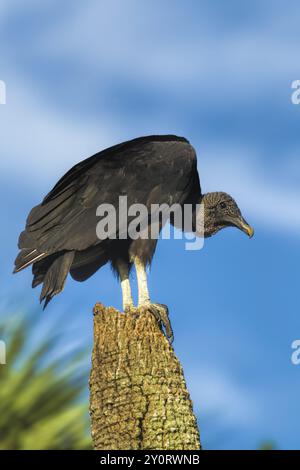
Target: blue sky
[{"x": 82, "y": 76}]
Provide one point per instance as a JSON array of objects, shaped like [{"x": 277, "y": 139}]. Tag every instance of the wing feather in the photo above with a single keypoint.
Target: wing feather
[{"x": 147, "y": 170}]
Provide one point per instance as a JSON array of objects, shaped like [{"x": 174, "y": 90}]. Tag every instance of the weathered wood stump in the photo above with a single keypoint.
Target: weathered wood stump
[{"x": 138, "y": 394}]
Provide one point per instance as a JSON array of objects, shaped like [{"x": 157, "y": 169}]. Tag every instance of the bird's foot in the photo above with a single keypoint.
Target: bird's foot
[{"x": 161, "y": 314}]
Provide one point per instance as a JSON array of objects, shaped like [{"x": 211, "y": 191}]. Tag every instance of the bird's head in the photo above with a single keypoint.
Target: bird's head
[{"x": 221, "y": 211}]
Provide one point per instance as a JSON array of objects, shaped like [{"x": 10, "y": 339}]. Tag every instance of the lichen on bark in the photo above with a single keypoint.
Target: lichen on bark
[{"x": 138, "y": 394}]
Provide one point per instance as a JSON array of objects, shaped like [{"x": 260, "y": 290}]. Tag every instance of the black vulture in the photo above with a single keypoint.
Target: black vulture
[{"x": 60, "y": 234}]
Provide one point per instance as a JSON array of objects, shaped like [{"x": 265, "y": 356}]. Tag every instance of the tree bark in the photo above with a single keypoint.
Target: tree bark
[{"x": 138, "y": 394}]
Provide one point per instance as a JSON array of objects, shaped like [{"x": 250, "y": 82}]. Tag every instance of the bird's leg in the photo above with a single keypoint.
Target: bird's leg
[
  {"x": 123, "y": 271},
  {"x": 160, "y": 311},
  {"x": 143, "y": 293}
]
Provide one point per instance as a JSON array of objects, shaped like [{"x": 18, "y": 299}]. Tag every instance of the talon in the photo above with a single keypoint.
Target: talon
[{"x": 161, "y": 314}]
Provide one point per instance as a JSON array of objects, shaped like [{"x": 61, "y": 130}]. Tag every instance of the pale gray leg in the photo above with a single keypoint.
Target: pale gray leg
[
  {"x": 160, "y": 311},
  {"x": 125, "y": 284},
  {"x": 143, "y": 293}
]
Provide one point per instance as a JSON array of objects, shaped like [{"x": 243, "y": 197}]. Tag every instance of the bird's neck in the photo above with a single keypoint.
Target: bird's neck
[{"x": 210, "y": 230}]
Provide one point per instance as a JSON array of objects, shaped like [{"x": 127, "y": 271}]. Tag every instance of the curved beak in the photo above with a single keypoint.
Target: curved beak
[{"x": 241, "y": 224}]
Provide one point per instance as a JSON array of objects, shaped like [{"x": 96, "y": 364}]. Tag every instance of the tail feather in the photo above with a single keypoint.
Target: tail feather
[
  {"x": 26, "y": 257},
  {"x": 26, "y": 241},
  {"x": 40, "y": 268},
  {"x": 55, "y": 278}
]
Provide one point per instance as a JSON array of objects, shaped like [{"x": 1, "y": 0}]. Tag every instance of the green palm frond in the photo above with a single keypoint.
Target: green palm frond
[{"x": 40, "y": 397}]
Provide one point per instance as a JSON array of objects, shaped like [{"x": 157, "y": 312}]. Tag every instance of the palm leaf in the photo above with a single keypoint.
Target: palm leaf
[{"x": 41, "y": 403}]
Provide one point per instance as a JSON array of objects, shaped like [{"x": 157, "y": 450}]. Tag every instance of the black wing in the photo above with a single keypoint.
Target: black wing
[{"x": 155, "y": 169}]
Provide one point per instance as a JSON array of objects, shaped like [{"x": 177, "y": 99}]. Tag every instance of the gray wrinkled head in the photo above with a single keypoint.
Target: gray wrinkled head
[{"x": 221, "y": 211}]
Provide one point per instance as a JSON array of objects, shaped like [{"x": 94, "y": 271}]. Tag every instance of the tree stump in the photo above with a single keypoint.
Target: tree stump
[{"x": 138, "y": 394}]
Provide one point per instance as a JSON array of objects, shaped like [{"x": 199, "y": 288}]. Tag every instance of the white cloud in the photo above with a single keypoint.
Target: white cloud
[
  {"x": 175, "y": 49},
  {"x": 213, "y": 393},
  {"x": 268, "y": 197},
  {"x": 39, "y": 142}
]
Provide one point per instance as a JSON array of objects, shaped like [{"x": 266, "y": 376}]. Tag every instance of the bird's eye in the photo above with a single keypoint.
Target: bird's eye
[{"x": 223, "y": 205}]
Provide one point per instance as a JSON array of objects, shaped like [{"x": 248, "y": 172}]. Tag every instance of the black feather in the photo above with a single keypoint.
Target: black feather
[
  {"x": 62, "y": 229},
  {"x": 55, "y": 277}
]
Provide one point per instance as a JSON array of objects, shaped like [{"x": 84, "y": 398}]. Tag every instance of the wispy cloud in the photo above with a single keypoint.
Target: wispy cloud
[
  {"x": 39, "y": 143},
  {"x": 214, "y": 393},
  {"x": 264, "y": 194},
  {"x": 177, "y": 51}
]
